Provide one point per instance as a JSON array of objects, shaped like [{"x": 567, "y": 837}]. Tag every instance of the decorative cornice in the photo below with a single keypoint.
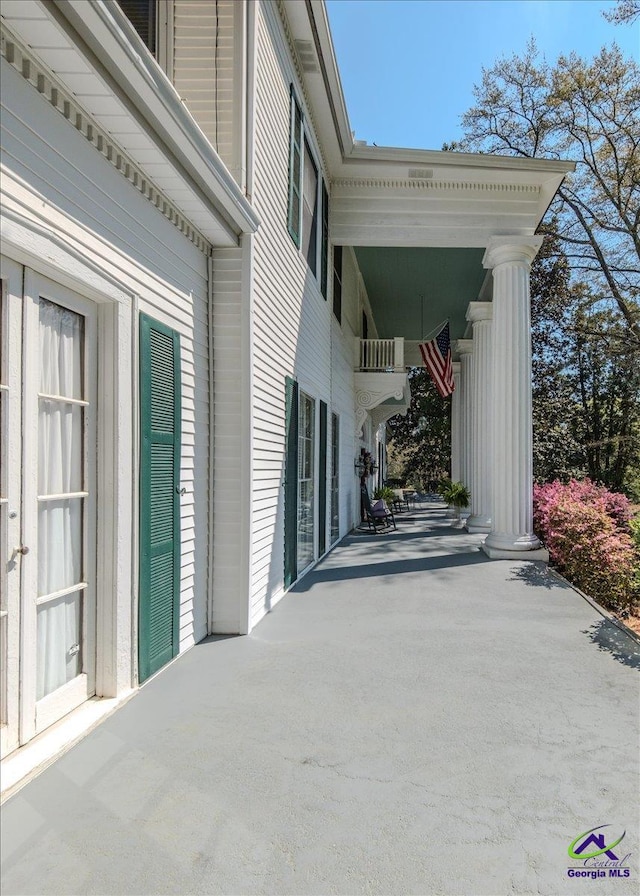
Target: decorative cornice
[
  {"x": 41, "y": 79},
  {"x": 433, "y": 185}
]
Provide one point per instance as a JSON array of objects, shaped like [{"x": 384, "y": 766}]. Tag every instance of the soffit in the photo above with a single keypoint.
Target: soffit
[
  {"x": 413, "y": 290},
  {"x": 93, "y": 53}
]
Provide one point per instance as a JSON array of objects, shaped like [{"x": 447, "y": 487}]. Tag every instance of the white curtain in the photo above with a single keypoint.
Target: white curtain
[{"x": 60, "y": 471}]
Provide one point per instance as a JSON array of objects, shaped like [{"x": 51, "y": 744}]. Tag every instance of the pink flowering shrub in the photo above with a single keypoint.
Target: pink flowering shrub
[{"x": 586, "y": 529}]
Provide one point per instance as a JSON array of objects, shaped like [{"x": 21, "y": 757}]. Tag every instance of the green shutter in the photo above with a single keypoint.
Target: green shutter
[
  {"x": 160, "y": 416},
  {"x": 291, "y": 483},
  {"x": 294, "y": 215},
  {"x": 322, "y": 482}
]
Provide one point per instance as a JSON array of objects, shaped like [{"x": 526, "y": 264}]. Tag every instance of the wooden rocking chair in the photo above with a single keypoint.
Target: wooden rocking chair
[{"x": 377, "y": 516}]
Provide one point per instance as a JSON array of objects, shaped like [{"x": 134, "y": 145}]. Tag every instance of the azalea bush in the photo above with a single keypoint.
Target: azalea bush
[{"x": 587, "y": 531}]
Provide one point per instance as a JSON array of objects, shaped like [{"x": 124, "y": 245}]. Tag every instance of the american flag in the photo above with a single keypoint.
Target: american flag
[{"x": 436, "y": 355}]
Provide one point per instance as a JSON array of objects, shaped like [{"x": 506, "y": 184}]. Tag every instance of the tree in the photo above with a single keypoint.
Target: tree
[
  {"x": 557, "y": 453},
  {"x": 586, "y": 381},
  {"x": 589, "y": 112},
  {"x": 421, "y": 440},
  {"x": 625, "y": 12}
]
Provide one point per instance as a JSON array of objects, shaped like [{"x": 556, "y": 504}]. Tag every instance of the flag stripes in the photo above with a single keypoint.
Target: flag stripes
[{"x": 436, "y": 356}]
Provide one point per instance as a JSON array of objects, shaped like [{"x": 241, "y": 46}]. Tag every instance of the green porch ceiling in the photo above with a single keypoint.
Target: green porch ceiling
[{"x": 412, "y": 290}]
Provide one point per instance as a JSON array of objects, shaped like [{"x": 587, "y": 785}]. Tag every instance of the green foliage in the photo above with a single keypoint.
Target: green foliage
[
  {"x": 586, "y": 381},
  {"x": 387, "y": 494},
  {"x": 456, "y": 494},
  {"x": 420, "y": 441}
]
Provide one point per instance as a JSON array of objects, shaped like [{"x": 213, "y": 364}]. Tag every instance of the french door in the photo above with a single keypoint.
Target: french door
[{"x": 48, "y": 518}]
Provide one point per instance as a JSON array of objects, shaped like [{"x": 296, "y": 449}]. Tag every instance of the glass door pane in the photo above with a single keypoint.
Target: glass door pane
[
  {"x": 306, "y": 472},
  {"x": 335, "y": 477},
  {"x": 61, "y": 497}
]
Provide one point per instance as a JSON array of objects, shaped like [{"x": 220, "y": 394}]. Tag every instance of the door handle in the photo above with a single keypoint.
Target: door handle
[{"x": 23, "y": 549}]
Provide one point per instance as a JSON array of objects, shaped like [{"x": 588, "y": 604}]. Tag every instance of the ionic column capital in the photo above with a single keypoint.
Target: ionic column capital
[{"x": 514, "y": 249}]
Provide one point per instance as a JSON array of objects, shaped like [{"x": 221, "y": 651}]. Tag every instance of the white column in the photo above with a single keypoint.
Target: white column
[
  {"x": 511, "y": 534},
  {"x": 464, "y": 348},
  {"x": 479, "y": 314},
  {"x": 455, "y": 423}
]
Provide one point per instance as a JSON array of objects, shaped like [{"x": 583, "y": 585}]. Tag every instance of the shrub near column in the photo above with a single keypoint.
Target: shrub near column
[{"x": 586, "y": 529}]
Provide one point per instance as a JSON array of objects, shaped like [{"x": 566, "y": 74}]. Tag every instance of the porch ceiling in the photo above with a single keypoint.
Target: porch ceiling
[{"x": 412, "y": 290}]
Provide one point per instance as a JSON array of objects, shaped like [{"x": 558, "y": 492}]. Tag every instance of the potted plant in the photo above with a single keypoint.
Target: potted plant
[
  {"x": 456, "y": 495},
  {"x": 387, "y": 494}
]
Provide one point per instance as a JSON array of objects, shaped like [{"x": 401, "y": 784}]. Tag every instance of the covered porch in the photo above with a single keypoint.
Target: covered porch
[
  {"x": 451, "y": 237},
  {"x": 411, "y": 718}
]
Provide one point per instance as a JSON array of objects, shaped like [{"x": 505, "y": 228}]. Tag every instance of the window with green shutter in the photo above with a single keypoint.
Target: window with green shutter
[{"x": 160, "y": 430}]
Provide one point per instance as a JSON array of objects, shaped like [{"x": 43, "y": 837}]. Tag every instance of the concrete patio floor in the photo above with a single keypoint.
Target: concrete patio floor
[{"x": 412, "y": 718}]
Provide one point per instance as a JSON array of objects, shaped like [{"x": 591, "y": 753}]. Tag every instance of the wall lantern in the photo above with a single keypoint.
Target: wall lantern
[{"x": 364, "y": 465}]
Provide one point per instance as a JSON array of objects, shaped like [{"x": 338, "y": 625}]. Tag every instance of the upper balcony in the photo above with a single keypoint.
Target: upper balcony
[{"x": 381, "y": 381}]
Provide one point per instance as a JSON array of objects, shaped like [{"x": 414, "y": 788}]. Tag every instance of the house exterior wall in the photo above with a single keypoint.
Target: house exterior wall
[
  {"x": 207, "y": 60},
  {"x": 72, "y": 216},
  {"x": 232, "y": 435},
  {"x": 294, "y": 331}
]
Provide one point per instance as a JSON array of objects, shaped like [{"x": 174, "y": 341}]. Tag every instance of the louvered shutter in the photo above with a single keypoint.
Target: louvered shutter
[
  {"x": 142, "y": 15},
  {"x": 291, "y": 483},
  {"x": 160, "y": 416}
]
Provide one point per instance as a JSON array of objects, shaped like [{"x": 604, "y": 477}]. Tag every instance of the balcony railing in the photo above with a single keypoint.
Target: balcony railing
[{"x": 381, "y": 355}]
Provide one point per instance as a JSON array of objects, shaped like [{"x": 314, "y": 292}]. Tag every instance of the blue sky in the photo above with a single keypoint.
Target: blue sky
[{"x": 408, "y": 67}]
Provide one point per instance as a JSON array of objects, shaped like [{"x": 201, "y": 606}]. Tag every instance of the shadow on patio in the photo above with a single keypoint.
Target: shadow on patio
[{"x": 412, "y": 718}]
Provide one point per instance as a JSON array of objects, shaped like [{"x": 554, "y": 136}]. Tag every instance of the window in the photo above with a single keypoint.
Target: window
[
  {"x": 324, "y": 248},
  {"x": 335, "y": 481},
  {"x": 142, "y": 15},
  {"x": 295, "y": 170},
  {"x": 306, "y": 471},
  {"x": 308, "y": 211},
  {"x": 337, "y": 282}
]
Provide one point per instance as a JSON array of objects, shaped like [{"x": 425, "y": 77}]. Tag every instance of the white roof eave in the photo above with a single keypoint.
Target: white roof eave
[
  {"x": 362, "y": 162},
  {"x": 106, "y": 43}
]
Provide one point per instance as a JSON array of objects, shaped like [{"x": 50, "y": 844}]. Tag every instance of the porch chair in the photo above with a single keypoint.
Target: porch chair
[{"x": 377, "y": 516}]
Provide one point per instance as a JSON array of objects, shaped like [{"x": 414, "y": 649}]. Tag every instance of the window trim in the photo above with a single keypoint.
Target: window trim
[
  {"x": 295, "y": 188},
  {"x": 299, "y": 142},
  {"x": 338, "y": 260}
]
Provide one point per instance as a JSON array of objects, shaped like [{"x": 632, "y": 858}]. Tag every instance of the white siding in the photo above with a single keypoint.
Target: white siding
[
  {"x": 203, "y": 73},
  {"x": 354, "y": 301},
  {"x": 231, "y": 435},
  {"x": 60, "y": 190},
  {"x": 291, "y": 318}
]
